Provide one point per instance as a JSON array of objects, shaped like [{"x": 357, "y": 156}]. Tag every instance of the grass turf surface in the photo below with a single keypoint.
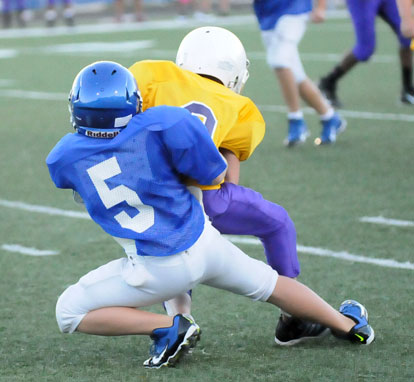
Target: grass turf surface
[{"x": 326, "y": 190}]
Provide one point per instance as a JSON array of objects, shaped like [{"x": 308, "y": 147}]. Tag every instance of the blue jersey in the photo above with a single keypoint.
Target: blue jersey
[
  {"x": 268, "y": 12},
  {"x": 132, "y": 185}
]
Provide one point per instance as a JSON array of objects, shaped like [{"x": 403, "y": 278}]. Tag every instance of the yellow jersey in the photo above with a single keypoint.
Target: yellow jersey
[{"x": 233, "y": 121}]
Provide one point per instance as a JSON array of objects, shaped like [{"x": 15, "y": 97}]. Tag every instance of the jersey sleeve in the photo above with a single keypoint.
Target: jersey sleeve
[
  {"x": 144, "y": 75},
  {"x": 247, "y": 133},
  {"x": 192, "y": 150},
  {"x": 54, "y": 162}
]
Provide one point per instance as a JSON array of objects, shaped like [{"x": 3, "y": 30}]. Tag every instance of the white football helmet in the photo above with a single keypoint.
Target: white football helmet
[{"x": 215, "y": 52}]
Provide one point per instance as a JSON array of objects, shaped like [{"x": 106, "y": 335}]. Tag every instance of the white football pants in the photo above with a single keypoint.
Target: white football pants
[
  {"x": 282, "y": 42},
  {"x": 138, "y": 281}
]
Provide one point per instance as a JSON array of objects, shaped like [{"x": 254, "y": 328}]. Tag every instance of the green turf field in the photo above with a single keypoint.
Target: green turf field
[{"x": 368, "y": 173}]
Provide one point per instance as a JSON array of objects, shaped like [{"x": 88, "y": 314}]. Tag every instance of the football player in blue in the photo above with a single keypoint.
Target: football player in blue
[
  {"x": 283, "y": 24},
  {"x": 128, "y": 168}
]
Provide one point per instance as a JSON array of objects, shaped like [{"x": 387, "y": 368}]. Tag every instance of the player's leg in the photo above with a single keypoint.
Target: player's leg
[
  {"x": 332, "y": 123},
  {"x": 389, "y": 13},
  {"x": 351, "y": 322},
  {"x": 228, "y": 268},
  {"x": 363, "y": 14},
  {"x": 281, "y": 47},
  {"x": 6, "y": 13},
  {"x": 239, "y": 210},
  {"x": 50, "y": 14},
  {"x": 68, "y": 12},
  {"x": 104, "y": 302}
]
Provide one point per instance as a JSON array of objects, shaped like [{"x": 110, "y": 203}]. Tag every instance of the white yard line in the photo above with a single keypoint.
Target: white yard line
[
  {"x": 343, "y": 255},
  {"x": 389, "y": 263},
  {"x": 34, "y": 95},
  {"x": 27, "y": 250},
  {"x": 144, "y": 48},
  {"x": 348, "y": 113},
  {"x": 96, "y": 29},
  {"x": 63, "y": 97},
  {"x": 385, "y": 221},
  {"x": 43, "y": 209}
]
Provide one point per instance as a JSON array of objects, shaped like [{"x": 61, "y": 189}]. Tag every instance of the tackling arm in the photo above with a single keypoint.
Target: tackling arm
[
  {"x": 221, "y": 177},
  {"x": 233, "y": 166}
]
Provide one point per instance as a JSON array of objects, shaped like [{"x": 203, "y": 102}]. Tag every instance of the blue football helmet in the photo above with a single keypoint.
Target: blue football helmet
[{"x": 103, "y": 99}]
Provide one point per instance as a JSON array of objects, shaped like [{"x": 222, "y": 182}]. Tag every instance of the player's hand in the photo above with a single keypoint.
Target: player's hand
[
  {"x": 407, "y": 28},
  {"x": 317, "y": 15}
]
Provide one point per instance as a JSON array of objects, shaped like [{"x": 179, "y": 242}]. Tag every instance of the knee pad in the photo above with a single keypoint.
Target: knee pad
[{"x": 67, "y": 317}]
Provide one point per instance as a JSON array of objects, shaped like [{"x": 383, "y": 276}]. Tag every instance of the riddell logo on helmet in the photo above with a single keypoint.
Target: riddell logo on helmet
[{"x": 100, "y": 134}]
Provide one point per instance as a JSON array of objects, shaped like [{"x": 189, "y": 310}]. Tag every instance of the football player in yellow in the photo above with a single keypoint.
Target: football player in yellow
[{"x": 210, "y": 71}]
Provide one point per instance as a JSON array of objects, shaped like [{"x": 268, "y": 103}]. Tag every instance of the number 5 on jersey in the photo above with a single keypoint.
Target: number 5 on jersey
[{"x": 111, "y": 197}]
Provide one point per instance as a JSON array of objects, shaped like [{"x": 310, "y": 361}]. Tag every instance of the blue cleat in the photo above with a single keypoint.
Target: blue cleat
[
  {"x": 297, "y": 133},
  {"x": 362, "y": 332},
  {"x": 330, "y": 129},
  {"x": 172, "y": 342}
]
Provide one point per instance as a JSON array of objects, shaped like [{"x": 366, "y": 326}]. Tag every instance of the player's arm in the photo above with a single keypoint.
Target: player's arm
[
  {"x": 318, "y": 11},
  {"x": 223, "y": 175},
  {"x": 192, "y": 150},
  {"x": 233, "y": 166},
  {"x": 407, "y": 19}
]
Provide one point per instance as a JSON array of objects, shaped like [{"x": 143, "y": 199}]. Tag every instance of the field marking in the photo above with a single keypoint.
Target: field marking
[
  {"x": 8, "y": 53},
  {"x": 27, "y": 250},
  {"x": 34, "y": 95},
  {"x": 368, "y": 115},
  {"x": 98, "y": 47},
  {"x": 106, "y": 28},
  {"x": 133, "y": 48},
  {"x": 347, "y": 113},
  {"x": 343, "y": 255},
  {"x": 385, "y": 221},
  {"x": 44, "y": 209}
]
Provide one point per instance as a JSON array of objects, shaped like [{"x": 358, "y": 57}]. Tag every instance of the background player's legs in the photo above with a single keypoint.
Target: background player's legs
[
  {"x": 289, "y": 89},
  {"x": 389, "y": 13},
  {"x": 363, "y": 14},
  {"x": 283, "y": 57},
  {"x": 6, "y": 13}
]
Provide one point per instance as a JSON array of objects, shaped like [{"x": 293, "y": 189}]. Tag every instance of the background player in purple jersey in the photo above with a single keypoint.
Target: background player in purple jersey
[
  {"x": 363, "y": 14},
  {"x": 283, "y": 24},
  {"x": 127, "y": 167},
  {"x": 407, "y": 18}
]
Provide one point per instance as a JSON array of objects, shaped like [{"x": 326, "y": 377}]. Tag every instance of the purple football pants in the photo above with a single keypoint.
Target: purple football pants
[
  {"x": 238, "y": 210},
  {"x": 363, "y": 14}
]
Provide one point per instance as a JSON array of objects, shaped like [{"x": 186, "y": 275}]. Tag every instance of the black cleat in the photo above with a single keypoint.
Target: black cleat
[
  {"x": 328, "y": 89},
  {"x": 291, "y": 331},
  {"x": 173, "y": 342}
]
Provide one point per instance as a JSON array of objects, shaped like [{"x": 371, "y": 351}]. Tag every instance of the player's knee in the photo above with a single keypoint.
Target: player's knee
[
  {"x": 365, "y": 53},
  {"x": 66, "y": 316}
]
